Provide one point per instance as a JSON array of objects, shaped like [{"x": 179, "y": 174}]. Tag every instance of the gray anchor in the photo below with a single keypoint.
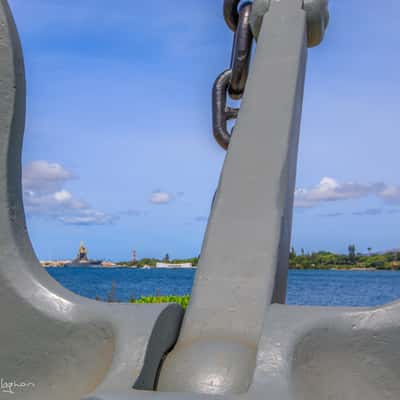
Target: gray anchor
[{"x": 237, "y": 340}]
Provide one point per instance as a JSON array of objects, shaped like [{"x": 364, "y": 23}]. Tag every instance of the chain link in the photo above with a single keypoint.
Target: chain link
[
  {"x": 231, "y": 14},
  {"x": 232, "y": 82},
  {"x": 241, "y": 53},
  {"x": 220, "y": 112}
]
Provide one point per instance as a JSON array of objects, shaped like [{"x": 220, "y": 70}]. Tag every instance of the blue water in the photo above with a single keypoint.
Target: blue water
[{"x": 309, "y": 287}]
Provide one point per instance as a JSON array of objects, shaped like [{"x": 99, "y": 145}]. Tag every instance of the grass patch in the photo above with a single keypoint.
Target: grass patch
[{"x": 181, "y": 300}]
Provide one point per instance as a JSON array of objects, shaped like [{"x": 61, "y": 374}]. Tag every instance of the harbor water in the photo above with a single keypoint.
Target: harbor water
[{"x": 305, "y": 287}]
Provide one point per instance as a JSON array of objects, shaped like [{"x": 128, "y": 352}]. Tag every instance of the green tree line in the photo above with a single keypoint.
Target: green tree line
[
  {"x": 303, "y": 260},
  {"x": 353, "y": 259}
]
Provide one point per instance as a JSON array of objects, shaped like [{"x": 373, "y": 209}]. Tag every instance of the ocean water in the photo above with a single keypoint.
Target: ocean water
[{"x": 306, "y": 287}]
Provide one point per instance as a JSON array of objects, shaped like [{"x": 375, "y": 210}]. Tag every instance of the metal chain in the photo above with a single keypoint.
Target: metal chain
[
  {"x": 241, "y": 52},
  {"x": 220, "y": 112},
  {"x": 231, "y": 14},
  {"x": 232, "y": 82}
]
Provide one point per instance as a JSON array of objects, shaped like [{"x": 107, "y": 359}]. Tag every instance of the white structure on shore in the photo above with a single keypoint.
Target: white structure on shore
[{"x": 171, "y": 266}]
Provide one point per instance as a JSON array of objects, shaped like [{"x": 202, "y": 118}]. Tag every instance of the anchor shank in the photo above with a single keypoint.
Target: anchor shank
[{"x": 244, "y": 259}]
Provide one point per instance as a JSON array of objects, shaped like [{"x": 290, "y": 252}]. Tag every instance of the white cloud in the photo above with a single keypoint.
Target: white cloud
[
  {"x": 160, "y": 197},
  {"x": 329, "y": 190},
  {"x": 63, "y": 196},
  {"x": 88, "y": 217},
  {"x": 44, "y": 195},
  {"x": 332, "y": 215},
  {"x": 44, "y": 177},
  {"x": 390, "y": 194},
  {"x": 370, "y": 212},
  {"x": 132, "y": 213}
]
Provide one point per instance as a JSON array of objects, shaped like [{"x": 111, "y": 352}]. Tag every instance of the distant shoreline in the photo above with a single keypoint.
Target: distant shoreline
[
  {"x": 108, "y": 265},
  {"x": 322, "y": 260},
  {"x": 116, "y": 266},
  {"x": 63, "y": 263}
]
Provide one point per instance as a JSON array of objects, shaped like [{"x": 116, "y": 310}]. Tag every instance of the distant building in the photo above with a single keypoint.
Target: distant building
[
  {"x": 172, "y": 266},
  {"x": 82, "y": 259}
]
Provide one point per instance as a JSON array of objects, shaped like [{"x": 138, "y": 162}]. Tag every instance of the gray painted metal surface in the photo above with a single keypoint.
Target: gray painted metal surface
[
  {"x": 64, "y": 344},
  {"x": 317, "y": 16},
  {"x": 234, "y": 342},
  {"x": 246, "y": 246}
]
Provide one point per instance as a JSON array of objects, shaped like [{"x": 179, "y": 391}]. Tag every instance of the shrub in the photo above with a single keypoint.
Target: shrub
[{"x": 181, "y": 300}]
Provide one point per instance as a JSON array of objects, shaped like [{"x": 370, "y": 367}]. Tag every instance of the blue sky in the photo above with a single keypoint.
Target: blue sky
[{"x": 118, "y": 149}]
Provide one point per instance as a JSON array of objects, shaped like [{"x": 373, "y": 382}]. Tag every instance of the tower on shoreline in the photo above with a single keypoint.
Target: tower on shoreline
[
  {"x": 82, "y": 253},
  {"x": 134, "y": 259}
]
